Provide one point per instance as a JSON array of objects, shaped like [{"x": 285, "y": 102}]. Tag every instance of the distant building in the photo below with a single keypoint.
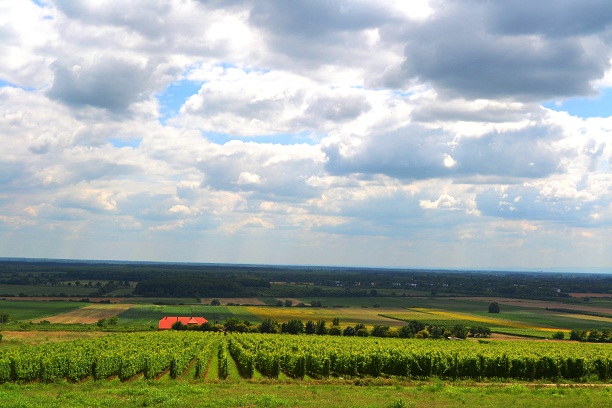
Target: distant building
[{"x": 167, "y": 322}]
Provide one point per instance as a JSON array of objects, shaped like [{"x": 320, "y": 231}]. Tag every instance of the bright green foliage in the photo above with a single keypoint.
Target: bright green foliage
[
  {"x": 223, "y": 363},
  {"x": 355, "y": 357},
  {"x": 152, "y": 354},
  {"x": 122, "y": 355}
]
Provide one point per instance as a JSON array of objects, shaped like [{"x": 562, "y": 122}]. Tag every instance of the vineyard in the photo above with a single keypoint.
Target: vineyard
[{"x": 193, "y": 354}]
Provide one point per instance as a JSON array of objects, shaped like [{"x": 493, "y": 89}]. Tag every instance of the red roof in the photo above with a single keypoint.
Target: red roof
[{"x": 167, "y": 322}]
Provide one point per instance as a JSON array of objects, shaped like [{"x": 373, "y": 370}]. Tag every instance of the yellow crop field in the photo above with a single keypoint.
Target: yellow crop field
[
  {"x": 347, "y": 316},
  {"x": 88, "y": 314},
  {"x": 586, "y": 317},
  {"x": 489, "y": 320}
]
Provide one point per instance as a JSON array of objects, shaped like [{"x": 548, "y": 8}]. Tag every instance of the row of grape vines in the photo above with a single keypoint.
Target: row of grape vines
[
  {"x": 357, "y": 357},
  {"x": 153, "y": 355},
  {"x": 122, "y": 355}
]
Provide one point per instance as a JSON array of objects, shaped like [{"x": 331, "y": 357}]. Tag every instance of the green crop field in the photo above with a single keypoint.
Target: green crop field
[{"x": 31, "y": 309}]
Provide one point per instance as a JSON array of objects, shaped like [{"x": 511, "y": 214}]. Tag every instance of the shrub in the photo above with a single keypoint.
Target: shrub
[
  {"x": 494, "y": 307},
  {"x": 558, "y": 335}
]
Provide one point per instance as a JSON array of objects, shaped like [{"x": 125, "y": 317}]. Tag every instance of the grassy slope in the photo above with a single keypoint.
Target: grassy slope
[{"x": 270, "y": 394}]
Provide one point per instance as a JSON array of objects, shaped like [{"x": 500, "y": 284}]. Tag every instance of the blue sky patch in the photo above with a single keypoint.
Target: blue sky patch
[
  {"x": 119, "y": 143},
  {"x": 599, "y": 106},
  {"x": 282, "y": 139},
  {"x": 4, "y": 83},
  {"x": 175, "y": 96}
]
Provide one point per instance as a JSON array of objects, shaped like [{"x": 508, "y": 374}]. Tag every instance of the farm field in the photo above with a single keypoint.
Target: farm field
[
  {"x": 11, "y": 339},
  {"x": 517, "y": 317},
  {"x": 25, "y": 310},
  {"x": 88, "y": 315}
]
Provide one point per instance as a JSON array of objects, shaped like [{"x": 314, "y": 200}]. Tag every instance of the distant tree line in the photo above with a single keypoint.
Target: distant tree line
[
  {"x": 592, "y": 336},
  {"x": 181, "y": 280},
  {"x": 201, "y": 286},
  {"x": 414, "y": 329}
]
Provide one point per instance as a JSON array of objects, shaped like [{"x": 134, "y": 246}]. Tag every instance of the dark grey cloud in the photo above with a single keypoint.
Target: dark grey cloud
[
  {"x": 109, "y": 83},
  {"x": 317, "y": 19},
  {"x": 306, "y": 34},
  {"x": 415, "y": 152},
  {"x": 553, "y": 18},
  {"x": 477, "y": 50}
]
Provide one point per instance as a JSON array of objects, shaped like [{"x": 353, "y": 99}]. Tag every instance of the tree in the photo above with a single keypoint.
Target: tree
[
  {"x": 558, "y": 335},
  {"x": 4, "y": 317},
  {"x": 479, "y": 331},
  {"x": 310, "y": 327},
  {"x": 593, "y": 336},
  {"x": 215, "y": 302},
  {"x": 232, "y": 324},
  {"x": 459, "y": 331},
  {"x": 288, "y": 303},
  {"x": 579, "y": 335},
  {"x": 336, "y": 321},
  {"x": 293, "y": 327},
  {"x": 379, "y": 331},
  {"x": 320, "y": 328},
  {"x": 268, "y": 326},
  {"x": 494, "y": 307},
  {"x": 178, "y": 325}
]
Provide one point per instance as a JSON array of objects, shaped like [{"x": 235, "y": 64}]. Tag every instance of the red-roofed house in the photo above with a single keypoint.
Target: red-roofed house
[{"x": 167, "y": 322}]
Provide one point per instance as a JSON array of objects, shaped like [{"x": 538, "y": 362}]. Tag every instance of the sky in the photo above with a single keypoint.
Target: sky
[{"x": 430, "y": 134}]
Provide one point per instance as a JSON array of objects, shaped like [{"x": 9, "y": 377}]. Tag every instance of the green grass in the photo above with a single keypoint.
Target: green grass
[{"x": 267, "y": 393}]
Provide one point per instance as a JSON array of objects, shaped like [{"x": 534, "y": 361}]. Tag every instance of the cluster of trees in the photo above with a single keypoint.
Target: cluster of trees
[
  {"x": 414, "y": 329},
  {"x": 206, "y": 285},
  {"x": 592, "y": 336}
]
